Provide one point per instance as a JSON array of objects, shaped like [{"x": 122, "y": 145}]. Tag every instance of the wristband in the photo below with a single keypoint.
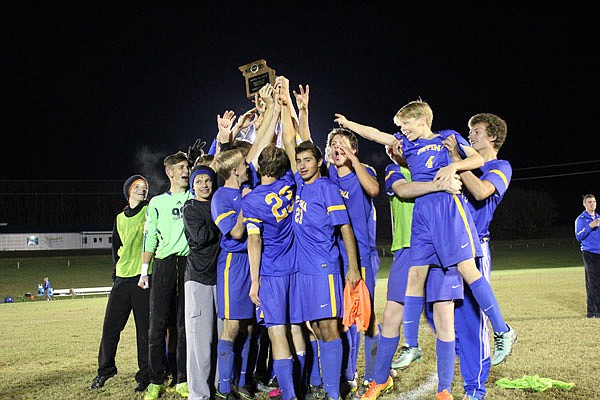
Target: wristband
[{"x": 145, "y": 267}]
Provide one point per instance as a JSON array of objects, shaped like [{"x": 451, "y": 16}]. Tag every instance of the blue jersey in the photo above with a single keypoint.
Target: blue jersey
[
  {"x": 498, "y": 173},
  {"x": 224, "y": 208},
  {"x": 268, "y": 212},
  {"x": 318, "y": 209},
  {"x": 361, "y": 212},
  {"x": 426, "y": 156},
  {"x": 588, "y": 237}
]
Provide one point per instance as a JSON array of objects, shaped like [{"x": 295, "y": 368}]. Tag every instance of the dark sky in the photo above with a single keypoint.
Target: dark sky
[{"x": 100, "y": 93}]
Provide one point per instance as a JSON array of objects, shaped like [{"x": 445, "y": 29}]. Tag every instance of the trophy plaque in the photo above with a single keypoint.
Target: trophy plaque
[{"x": 257, "y": 74}]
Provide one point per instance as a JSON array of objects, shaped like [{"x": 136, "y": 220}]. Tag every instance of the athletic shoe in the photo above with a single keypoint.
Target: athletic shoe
[
  {"x": 182, "y": 389},
  {"x": 100, "y": 380},
  {"x": 226, "y": 396},
  {"x": 315, "y": 393},
  {"x": 376, "y": 389},
  {"x": 444, "y": 395},
  {"x": 503, "y": 344},
  {"x": 140, "y": 387},
  {"x": 469, "y": 397},
  {"x": 243, "y": 392},
  {"x": 270, "y": 385},
  {"x": 153, "y": 391},
  {"x": 408, "y": 355},
  {"x": 275, "y": 394},
  {"x": 361, "y": 390}
]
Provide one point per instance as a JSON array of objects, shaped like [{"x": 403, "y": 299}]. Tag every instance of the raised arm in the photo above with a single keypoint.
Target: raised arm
[
  {"x": 365, "y": 131},
  {"x": 266, "y": 131},
  {"x": 302, "y": 103}
]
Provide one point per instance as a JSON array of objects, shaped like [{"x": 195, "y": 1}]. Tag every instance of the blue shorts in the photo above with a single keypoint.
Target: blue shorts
[
  {"x": 322, "y": 296},
  {"x": 443, "y": 232},
  {"x": 443, "y": 284},
  {"x": 398, "y": 278},
  {"x": 233, "y": 286},
  {"x": 280, "y": 300}
]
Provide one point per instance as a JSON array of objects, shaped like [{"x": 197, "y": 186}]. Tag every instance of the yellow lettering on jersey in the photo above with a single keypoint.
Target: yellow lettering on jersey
[
  {"x": 430, "y": 147},
  {"x": 345, "y": 194}
]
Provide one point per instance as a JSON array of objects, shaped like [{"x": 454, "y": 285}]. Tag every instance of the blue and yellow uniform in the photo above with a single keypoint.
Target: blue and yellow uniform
[
  {"x": 233, "y": 268},
  {"x": 318, "y": 210},
  {"x": 268, "y": 212}
]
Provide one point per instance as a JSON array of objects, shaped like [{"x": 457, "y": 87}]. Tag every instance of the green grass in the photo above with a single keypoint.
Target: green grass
[{"x": 49, "y": 349}]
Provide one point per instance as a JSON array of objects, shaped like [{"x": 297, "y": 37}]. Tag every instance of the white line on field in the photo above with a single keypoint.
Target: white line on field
[{"x": 425, "y": 390}]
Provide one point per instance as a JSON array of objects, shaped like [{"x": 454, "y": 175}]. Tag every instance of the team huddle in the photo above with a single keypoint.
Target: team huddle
[{"x": 264, "y": 234}]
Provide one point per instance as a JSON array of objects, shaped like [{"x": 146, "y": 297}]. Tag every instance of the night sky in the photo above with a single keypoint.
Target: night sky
[{"x": 105, "y": 93}]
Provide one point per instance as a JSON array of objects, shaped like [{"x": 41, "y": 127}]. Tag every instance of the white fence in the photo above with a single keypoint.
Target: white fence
[{"x": 55, "y": 241}]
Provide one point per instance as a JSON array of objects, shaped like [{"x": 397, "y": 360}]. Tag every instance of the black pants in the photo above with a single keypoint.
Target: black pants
[
  {"x": 166, "y": 305},
  {"x": 124, "y": 297},
  {"x": 592, "y": 282}
]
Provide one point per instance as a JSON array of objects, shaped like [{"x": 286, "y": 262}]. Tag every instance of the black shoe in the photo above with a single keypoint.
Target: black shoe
[
  {"x": 99, "y": 381},
  {"x": 140, "y": 387},
  {"x": 244, "y": 392}
]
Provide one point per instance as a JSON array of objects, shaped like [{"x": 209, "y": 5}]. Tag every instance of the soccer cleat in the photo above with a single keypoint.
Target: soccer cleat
[
  {"x": 443, "y": 395},
  {"x": 315, "y": 393},
  {"x": 503, "y": 344},
  {"x": 182, "y": 389},
  {"x": 376, "y": 389},
  {"x": 153, "y": 391},
  {"x": 267, "y": 387},
  {"x": 244, "y": 392},
  {"x": 361, "y": 390},
  {"x": 100, "y": 380},
  {"x": 275, "y": 394},
  {"x": 407, "y": 356},
  {"x": 226, "y": 396}
]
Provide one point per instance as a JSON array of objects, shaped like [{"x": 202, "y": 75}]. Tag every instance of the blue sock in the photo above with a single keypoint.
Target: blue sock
[
  {"x": 482, "y": 291},
  {"x": 446, "y": 353},
  {"x": 299, "y": 369},
  {"x": 354, "y": 349},
  {"x": 347, "y": 348},
  {"x": 283, "y": 371},
  {"x": 413, "y": 307},
  {"x": 371, "y": 344},
  {"x": 244, "y": 359},
  {"x": 225, "y": 365},
  {"x": 331, "y": 360},
  {"x": 315, "y": 370},
  {"x": 383, "y": 360}
]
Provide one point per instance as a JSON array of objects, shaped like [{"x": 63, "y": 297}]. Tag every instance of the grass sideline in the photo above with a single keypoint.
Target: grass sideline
[{"x": 49, "y": 349}]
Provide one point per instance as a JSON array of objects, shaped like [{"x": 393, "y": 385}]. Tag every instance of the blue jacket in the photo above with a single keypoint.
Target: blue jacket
[{"x": 589, "y": 238}]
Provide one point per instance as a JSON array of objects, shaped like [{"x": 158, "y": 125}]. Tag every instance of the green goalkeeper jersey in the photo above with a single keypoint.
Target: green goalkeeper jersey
[{"x": 164, "y": 234}]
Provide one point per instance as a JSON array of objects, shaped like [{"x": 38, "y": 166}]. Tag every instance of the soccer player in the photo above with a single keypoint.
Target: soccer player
[
  {"x": 319, "y": 214},
  {"x": 268, "y": 216},
  {"x": 485, "y": 187},
  {"x": 165, "y": 241},
  {"x": 358, "y": 186},
  {"x": 126, "y": 295},
  {"x": 233, "y": 270},
  {"x": 201, "y": 283},
  {"x": 452, "y": 242}
]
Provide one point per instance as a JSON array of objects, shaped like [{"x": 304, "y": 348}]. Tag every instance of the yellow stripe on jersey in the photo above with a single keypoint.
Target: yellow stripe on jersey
[
  {"x": 253, "y": 220},
  {"x": 332, "y": 296},
  {"x": 501, "y": 175},
  {"x": 463, "y": 215},
  {"x": 390, "y": 174},
  {"x": 336, "y": 208},
  {"x": 226, "y": 284},
  {"x": 220, "y": 217}
]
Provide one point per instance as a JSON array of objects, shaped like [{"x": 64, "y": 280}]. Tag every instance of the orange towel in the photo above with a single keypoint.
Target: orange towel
[{"x": 357, "y": 306}]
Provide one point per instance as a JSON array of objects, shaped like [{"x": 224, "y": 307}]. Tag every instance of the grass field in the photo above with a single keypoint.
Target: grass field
[{"x": 49, "y": 349}]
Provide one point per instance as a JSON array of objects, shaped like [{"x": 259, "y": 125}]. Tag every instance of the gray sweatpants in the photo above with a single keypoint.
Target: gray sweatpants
[{"x": 203, "y": 330}]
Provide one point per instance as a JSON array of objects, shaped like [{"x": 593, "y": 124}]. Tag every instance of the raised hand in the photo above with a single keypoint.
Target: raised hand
[
  {"x": 341, "y": 120},
  {"x": 196, "y": 150},
  {"x": 302, "y": 98},
  {"x": 246, "y": 119},
  {"x": 266, "y": 94}
]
